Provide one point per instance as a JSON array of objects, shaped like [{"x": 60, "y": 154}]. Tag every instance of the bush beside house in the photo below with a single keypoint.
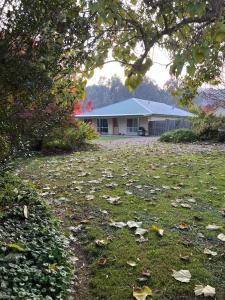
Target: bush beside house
[
  {"x": 181, "y": 135},
  {"x": 205, "y": 127}
]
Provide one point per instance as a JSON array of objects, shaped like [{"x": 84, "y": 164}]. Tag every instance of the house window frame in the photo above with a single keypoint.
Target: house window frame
[
  {"x": 103, "y": 126},
  {"x": 133, "y": 126}
]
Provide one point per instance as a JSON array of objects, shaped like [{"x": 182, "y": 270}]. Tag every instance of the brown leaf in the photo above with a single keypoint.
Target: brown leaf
[
  {"x": 183, "y": 226},
  {"x": 101, "y": 261}
]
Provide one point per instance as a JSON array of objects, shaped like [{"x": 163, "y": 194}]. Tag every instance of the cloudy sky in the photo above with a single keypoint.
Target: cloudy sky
[{"x": 159, "y": 72}]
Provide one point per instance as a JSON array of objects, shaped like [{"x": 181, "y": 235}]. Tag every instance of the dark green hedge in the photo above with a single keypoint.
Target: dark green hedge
[
  {"x": 34, "y": 255},
  {"x": 182, "y": 135}
]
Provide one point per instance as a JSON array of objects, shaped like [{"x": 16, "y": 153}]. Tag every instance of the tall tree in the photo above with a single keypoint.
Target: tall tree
[
  {"x": 192, "y": 31},
  {"x": 49, "y": 48}
]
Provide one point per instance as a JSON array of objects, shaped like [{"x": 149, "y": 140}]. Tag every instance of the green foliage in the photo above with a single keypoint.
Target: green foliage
[
  {"x": 206, "y": 125},
  {"x": 69, "y": 138},
  {"x": 49, "y": 49},
  {"x": 4, "y": 148},
  {"x": 30, "y": 246},
  {"x": 182, "y": 135}
]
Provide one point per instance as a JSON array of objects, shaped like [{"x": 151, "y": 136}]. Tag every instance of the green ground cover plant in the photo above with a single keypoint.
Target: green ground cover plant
[
  {"x": 176, "y": 191},
  {"x": 34, "y": 254}
]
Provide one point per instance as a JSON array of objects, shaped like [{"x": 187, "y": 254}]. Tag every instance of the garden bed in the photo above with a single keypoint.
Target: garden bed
[{"x": 34, "y": 254}]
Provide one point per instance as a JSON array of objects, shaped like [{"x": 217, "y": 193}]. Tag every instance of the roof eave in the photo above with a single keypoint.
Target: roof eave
[
  {"x": 170, "y": 116},
  {"x": 111, "y": 116}
]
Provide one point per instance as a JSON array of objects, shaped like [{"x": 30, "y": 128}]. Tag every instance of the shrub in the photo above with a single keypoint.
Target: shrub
[
  {"x": 206, "y": 125},
  {"x": 34, "y": 254},
  {"x": 69, "y": 138},
  {"x": 182, "y": 135},
  {"x": 4, "y": 148}
]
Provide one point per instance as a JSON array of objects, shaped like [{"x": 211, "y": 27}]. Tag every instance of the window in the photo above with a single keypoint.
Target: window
[
  {"x": 102, "y": 125},
  {"x": 132, "y": 125}
]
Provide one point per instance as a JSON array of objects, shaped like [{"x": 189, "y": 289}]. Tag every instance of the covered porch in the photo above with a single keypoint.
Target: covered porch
[{"x": 120, "y": 125}]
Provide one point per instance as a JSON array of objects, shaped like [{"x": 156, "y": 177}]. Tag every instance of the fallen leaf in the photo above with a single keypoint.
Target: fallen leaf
[
  {"x": 89, "y": 197},
  {"x": 131, "y": 263},
  {"x": 133, "y": 224},
  {"x": 221, "y": 237},
  {"x": 209, "y": 252},
  {"x": 207, "y": 291},
  {"x": 101, "y": 243},
  {"x": 118, "y": 224},
  {"x": 184, "y": 257},
  {"x": 157, "y": 229},
  {"x": 76, "y": 229},
  {"x": 101, "y": 261},
  {"x": 185, "y": 205},
  {"x": 142, "y": 293},
  {"x": 141, "y": 231},
  {"x": 191, "y": 200},
  {"x": 212, "y": 227},
  {"x": 138, "y": 186},
  {"x": 146, "y": 273},
  {"x": 25, "y": 211},
  {"x": 142, "y": 239},
  {"x": 182, "y": 275},
  {"x": 183, "y": 226},
  {"x": 128, "y": 193},
  {"x": 113, "y": 200}
]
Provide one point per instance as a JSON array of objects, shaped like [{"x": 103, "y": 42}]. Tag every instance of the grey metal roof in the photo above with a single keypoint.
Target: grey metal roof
[{"x": 136, "y": 107}]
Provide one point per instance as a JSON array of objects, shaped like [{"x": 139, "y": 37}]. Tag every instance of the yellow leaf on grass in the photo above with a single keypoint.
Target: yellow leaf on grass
[
  {"x": 157, "y": 229},
  {"x": 142, "y": 293}
]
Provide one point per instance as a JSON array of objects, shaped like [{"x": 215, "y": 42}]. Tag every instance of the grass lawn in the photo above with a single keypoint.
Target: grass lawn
[
  {"x": 176, "y": 188},
  {"x": 109, "y": 138}
]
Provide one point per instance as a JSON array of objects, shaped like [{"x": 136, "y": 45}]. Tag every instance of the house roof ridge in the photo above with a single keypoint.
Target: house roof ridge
[{"x": 138, "y": 101}]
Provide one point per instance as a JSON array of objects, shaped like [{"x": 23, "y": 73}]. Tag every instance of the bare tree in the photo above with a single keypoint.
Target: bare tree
[{"x": 215, "y": 97}]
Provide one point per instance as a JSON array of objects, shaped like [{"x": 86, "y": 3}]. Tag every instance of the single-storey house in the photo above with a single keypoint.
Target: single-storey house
[{"x": 128, "y": 116}]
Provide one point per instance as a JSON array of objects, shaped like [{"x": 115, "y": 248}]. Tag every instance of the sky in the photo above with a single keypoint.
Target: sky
[{"x": 159, "y": 72}]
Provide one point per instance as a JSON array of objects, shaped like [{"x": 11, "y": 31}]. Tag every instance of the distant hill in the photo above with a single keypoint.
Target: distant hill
[{"x": 112, "y": 90}]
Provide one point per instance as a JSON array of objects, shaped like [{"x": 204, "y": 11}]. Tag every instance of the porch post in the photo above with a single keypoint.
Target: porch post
[{"x": 138, "y": 123}]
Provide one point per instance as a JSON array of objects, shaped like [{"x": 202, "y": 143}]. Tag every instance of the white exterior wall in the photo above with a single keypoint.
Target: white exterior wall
[
  {"x": 110, "y": 126},
  {"x": 122, "y": 123}
]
